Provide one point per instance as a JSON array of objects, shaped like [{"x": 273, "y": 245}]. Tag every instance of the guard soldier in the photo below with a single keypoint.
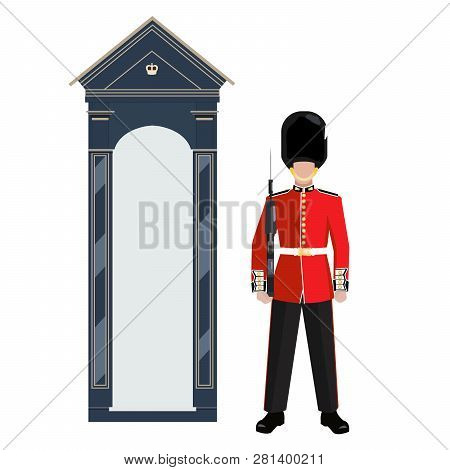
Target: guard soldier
[{"x": 305, "y": 217}]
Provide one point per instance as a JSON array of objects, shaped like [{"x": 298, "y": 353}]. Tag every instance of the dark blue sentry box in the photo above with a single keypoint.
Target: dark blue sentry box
[{"x": 152, "y": 300}]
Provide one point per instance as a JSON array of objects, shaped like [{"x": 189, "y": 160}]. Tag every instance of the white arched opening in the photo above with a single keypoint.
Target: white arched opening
[{"x": 152, "y": 269}]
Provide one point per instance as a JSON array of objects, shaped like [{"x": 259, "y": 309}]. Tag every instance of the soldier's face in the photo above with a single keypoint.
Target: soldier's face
[{"x": 304, "y": 169}]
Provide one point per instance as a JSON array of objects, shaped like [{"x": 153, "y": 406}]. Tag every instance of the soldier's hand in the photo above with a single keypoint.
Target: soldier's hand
[
  {"x": 340, "y": 296},
  {"x": 264, "y": 297}
]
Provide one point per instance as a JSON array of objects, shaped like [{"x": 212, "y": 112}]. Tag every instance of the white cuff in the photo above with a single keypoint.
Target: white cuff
[
  {"x": 340, "y": 281},
  {"x": 259, "y": 283}
]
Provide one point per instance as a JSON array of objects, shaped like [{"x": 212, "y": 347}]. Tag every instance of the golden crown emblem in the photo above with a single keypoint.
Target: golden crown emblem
[{"x": 152, "y": 69}]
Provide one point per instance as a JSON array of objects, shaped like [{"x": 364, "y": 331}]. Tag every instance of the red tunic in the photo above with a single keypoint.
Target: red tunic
[{"x": 305, "y": 218}]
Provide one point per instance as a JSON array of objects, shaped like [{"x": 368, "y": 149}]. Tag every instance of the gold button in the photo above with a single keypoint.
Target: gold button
[
  {"x": 303, "y": 236},
  {"x": 303, "y": 195},
  {"x": 304, "y": 206},
  {"x": 303, "y": 230},
  {"x": 303, "y": 219},
  {"x": 303, "y": 242},
  {"x": 303, "y": 224}
]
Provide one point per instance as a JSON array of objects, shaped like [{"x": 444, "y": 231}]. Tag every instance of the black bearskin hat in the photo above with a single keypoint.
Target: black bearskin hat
[{"x": 303, "y": 139}]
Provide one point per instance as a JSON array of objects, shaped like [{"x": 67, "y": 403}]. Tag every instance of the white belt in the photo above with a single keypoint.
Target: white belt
[{"x": 302, "y": 251}]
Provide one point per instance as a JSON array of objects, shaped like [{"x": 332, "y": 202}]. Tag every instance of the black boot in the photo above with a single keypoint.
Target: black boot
[
  {"x": 334, "y": 422},
  {"x": 270, "y": 422}
]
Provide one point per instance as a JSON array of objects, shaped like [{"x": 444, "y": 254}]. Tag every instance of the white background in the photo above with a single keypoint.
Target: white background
[{"x": 388, "y": 158}]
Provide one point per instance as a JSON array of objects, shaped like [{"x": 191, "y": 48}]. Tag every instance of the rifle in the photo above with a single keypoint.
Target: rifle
[{"x": 271, "y": 230}]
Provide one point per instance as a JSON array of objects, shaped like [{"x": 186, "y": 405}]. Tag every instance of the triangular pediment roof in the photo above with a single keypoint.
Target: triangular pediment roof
[{"x": 179, "y": 66}]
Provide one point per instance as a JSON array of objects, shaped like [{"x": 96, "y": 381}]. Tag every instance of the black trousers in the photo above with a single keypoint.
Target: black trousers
[{"x": 284, "y": 323}]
